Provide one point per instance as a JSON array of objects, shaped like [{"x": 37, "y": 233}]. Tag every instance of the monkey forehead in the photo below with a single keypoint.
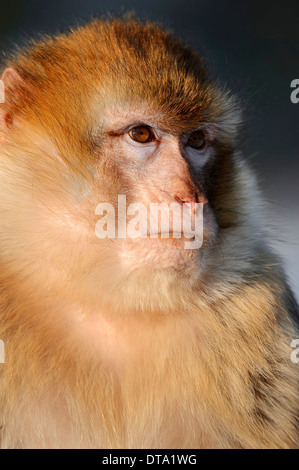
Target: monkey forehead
[
  {"x": 174, "y": 104},
  {"x": 117, "y": 111},
  {"x": 74, "y": 78},
  {"x": 119, "y": 117}
]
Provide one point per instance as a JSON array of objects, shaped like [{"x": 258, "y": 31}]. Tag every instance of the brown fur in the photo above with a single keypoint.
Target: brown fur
[{"x": 161, "y": 358}]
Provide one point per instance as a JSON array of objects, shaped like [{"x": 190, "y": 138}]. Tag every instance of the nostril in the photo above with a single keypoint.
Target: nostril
[
  {"x": 180, "y": 200},
  {"x": 187, "y": 199},
  {"x": 196, "y": 197}
]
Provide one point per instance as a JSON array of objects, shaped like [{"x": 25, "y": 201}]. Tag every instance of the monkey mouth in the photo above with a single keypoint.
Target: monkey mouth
[{"x": 177, "y": 234}]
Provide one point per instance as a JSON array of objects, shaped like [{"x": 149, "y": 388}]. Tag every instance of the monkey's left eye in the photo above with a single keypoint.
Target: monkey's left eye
[
  {"x": 142, "y": 134},
  {"x": 197, "y": 140}
]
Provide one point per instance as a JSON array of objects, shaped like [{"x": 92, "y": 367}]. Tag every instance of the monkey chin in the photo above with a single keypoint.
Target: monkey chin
[
  {"x": 174, "y": 253},
  {"x": 154, "y": 274},
  {"x": 158, "y": 254},
  {"x": 148, "y": 274}
]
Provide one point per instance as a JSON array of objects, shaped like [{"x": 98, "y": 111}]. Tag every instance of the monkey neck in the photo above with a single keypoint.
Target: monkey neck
[{"x": 199, "y": 358}]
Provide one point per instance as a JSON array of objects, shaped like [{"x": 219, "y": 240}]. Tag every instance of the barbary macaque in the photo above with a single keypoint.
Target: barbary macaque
[{"x": 135, "y": 342}]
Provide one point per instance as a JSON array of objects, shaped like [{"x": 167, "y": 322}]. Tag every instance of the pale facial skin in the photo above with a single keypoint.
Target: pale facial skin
[{"x": 154, "y": 166}]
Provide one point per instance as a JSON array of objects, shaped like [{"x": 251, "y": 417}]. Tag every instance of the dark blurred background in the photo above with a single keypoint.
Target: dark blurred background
[{"x": 252, "y": 46}]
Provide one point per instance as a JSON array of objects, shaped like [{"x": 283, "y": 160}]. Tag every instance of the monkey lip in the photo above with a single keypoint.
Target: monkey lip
[{"x": 171, "y": 234}]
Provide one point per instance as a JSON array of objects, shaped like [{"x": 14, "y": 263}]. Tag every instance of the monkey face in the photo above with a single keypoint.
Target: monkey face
[
  {"x": 158, "y": 180},
  {"x": 161, "y": 137}
]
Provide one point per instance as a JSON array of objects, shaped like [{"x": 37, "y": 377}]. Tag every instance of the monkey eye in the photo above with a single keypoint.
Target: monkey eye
[
  {"x": 197, "y": 140},
  {"x": 142, "y": 134}
]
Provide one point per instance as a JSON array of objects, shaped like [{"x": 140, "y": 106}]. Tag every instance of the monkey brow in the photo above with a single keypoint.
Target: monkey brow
[
  {"x": 121, "y": 121},
  {"x": 131, "y": 124},
  {"x": 162, "y": 123}
]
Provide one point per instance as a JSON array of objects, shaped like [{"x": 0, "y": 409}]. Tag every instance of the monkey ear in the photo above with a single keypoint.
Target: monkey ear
[{"x": 11, "y": 86}]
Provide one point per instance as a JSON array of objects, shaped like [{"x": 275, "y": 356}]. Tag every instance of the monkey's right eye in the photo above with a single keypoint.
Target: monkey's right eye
[{"x": 142, "y": 134}]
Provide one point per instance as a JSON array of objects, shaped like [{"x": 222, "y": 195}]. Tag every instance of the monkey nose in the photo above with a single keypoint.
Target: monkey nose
[{"x": 196, "y": 196}]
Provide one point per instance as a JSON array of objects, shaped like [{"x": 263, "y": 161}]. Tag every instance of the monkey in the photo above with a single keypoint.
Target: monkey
[{"x": 135, "y": 342}]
